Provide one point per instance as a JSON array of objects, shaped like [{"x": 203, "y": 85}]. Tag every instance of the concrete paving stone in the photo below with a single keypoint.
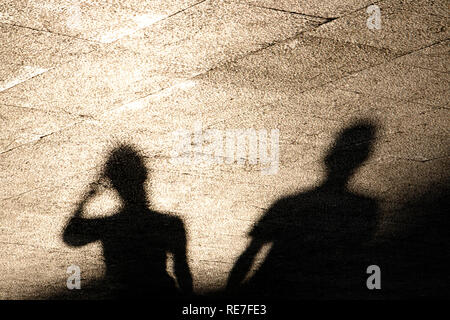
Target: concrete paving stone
[
  {"x": 416, "y": 124},
  {"x": 67, "y": 102},
  {"x": 101, "y": 21},
  {"x": 39, "y": 250},
  {"x": 428, "y": 7},
  {"x": 87, "y": 137},
  {"x": 407, "y": 131},
  {"x": 400, "y": 180},
  {"x": 80, "y": 146},
  {"x": 27, "y": 218},
  {"x": 342, "y": 107},
  {"x": 299, "y": 64},
  {"x": 427, "y": 123},
  {"x": 434, "y": 58},
  {"x": 441, "y": 99},
  {"x": 326, "y": 9},
  {"x": 215, "y": 106},
  {"x": 24, "y": 125},
  {"x": 345, "y": 106},
  {"x": 208, "y": 103},
  {"x": 213, "y": 274},
  {"x": 28, "y": 47},
  {"x": 258, "y": 190},
  {"x": 313, "y": 117},
  {"x": 94, "y": 83},
  {"x": 197, "y": 100},
  {"x": 76, "y": 149},
  {"x": 213, "y": 32},
  {"x": 398, "y": 81},
  {"x": 49, "y": 208},
  {"x": 101, "y": 134},
  {"x": 309, "y": 118},
  {"x": 413, "y": 147},
  {"x": 406, "y": 26}
]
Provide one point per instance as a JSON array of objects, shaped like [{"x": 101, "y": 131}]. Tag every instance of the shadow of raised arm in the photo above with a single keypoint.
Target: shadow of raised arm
[{"x": 80, "y": 231}]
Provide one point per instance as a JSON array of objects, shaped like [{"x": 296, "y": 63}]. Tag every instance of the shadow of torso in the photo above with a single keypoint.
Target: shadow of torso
[
  {"x": 135, "y": 251},
  {"x": 135, "y": 246}
]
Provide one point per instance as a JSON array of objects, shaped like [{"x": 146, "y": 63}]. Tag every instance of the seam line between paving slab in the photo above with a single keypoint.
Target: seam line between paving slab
[
  {"x": 396, "y": 54},
  {"x": 234, "y": 60},
  {"x": 153, "y": 22},
  {"x": 82, "y": 39},
  {"x": 37, "y": 139},
  {"x": 98, "y": 41},
  {"x": 363, "y": 7},
  {"x": 253, "y": 52},
  {"x": 24, "y": 76},
  {"x": 76, "y": 115},
  {"x": 51, "y": 32},
  {"x": 239, "y": 58},
  {"x": 432, "y": 107},
  {"x": 313, "y": 16},
  {"x": 423, "y": 68},
  {"x": 42, "y": 73}
]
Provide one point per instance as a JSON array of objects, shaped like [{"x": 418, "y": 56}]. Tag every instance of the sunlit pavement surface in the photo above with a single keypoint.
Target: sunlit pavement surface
[{"x": 79, "y": 77}]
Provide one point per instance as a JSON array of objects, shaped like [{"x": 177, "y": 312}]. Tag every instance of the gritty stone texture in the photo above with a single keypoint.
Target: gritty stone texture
[{"x": 134, "y": 72}]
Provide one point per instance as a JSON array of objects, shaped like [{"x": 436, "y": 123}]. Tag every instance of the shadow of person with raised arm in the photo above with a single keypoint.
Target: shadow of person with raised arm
[
  {"x": 317, "y": 236},
  {"x": 136, "y": 239}
]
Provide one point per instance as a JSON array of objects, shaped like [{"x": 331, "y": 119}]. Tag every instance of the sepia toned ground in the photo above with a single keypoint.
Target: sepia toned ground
[{"x": 77, "y": 78}]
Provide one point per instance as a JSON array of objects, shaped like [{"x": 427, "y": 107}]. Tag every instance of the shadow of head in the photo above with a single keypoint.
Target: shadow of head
[
  {"x": 126, "y": 170},
  {"x": 351, "y": 148}
]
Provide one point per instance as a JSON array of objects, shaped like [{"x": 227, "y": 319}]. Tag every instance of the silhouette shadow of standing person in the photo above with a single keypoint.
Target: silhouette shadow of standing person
[
  {"x": 317, "y": 236},
  {"x": 136, "y": 239}
]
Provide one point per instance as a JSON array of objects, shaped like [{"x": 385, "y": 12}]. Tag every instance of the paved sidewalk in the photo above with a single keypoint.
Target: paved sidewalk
[{"x": 79, "y": 77}]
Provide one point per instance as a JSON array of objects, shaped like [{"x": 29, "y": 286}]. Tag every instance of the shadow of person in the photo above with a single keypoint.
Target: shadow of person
[
  {"x": 416, "y": 257},
  {"x": 135, "y": 240},
  {"x": 317, "y": 236}
]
